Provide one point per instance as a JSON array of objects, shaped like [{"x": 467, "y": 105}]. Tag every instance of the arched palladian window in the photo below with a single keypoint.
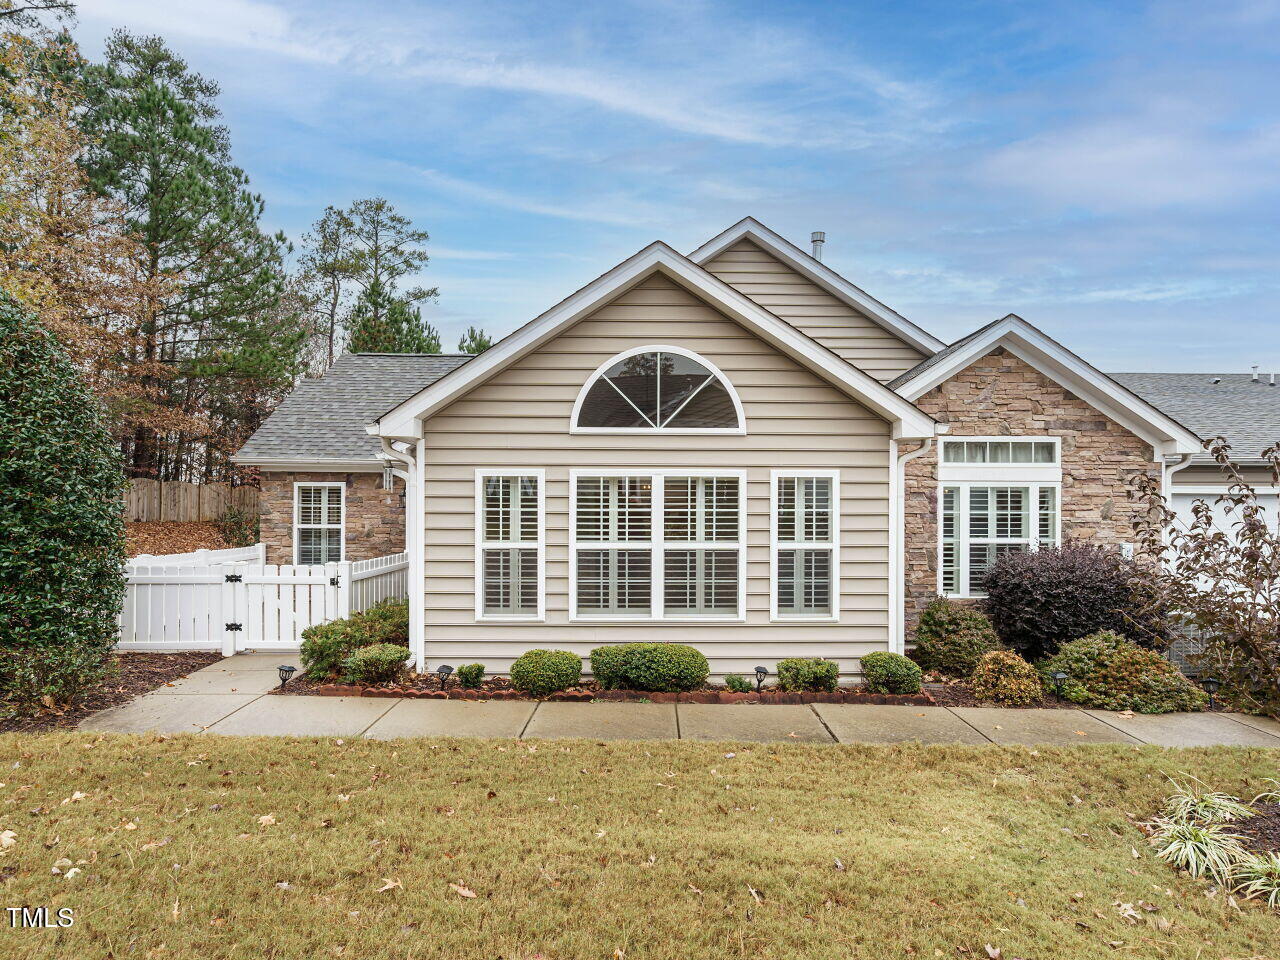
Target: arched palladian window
[{"x": 658, "y": 388}]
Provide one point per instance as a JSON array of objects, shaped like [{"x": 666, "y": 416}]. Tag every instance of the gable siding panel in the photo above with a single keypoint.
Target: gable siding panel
[
  {"x": 520, "y": 417},
  {"x": 841, "y": 328}
]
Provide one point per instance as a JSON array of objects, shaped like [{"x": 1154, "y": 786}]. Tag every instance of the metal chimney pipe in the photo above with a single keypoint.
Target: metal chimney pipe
[
  {"x": 1273, "y": 380},
  {"x": 817, "y": 238},
  {"x": 1255, "y": 373}
]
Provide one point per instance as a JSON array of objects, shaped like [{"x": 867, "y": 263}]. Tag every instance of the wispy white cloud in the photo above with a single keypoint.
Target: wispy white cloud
[{"x": 614, "y": 208}]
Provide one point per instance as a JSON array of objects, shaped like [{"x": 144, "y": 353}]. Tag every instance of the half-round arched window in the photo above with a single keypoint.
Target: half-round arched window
[{"x": 658, "y": 388}]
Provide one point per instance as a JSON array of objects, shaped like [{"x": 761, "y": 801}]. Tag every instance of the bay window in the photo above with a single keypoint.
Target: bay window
[
  {"x": 805, "y": 527},
  {"x": 657, "y": 545},
  {"x": 509, "y": 545}
]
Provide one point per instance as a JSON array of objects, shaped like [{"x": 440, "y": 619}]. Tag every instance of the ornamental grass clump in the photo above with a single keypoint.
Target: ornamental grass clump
[
  {"x": 807, "y": 674},
  {"x": 951, "y": 637},
  {"x": 1201, "y": 849},
  {"x": 1257, "y": 877},
  {"x": 884, "y": 672},
  {"x": 1194, "y": 803},
  {"x": 543, "y": 672},
  {"x": 1003, "y": 677},
  {"x": 1106, "y": 671}
]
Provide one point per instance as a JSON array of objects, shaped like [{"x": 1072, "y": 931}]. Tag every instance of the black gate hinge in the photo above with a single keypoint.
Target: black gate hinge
[
  {"x": 234, "y": 578},
  {"x": 333, "y": 581},
  {"x": 234, "y": 627}
]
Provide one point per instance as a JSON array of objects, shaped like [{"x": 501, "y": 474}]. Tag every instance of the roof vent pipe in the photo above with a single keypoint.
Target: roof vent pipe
[
  {"x": 1273, "y": 380},
  {"x": 1255, "y": 373},
  {"x": 818, "y": 238}
]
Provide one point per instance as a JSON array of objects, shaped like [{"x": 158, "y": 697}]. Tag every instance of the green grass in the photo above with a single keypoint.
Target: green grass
[{"x": 578, "y": 849}]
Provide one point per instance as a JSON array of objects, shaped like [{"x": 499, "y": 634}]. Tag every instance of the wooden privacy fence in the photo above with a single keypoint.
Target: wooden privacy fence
[
  {"x": 179, "y": 501},
  {"x": 244, "y": 604}
]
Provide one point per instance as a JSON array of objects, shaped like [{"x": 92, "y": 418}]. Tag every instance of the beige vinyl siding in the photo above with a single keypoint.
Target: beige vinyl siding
[
  {"x": 520, "y": 418},
  {"x": 1208, "y": 475},
  {"x": 844, "y": 330}
]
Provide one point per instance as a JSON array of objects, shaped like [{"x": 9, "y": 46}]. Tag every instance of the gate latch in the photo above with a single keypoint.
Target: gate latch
[
  {"x": 234, "y": 578},
  {"x": 234, "y": 627}
]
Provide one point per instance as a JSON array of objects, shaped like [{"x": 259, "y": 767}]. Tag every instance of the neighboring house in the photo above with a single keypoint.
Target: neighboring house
[{"x": 737, "y": 448}]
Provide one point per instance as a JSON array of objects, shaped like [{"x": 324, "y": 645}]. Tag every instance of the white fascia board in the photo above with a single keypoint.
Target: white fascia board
[
  {"x": 1024, "y": 341},
  {"x": 819, "y": 273},
  {"x": 312, "y": 464},
  {"x": 908, "y": 421}
]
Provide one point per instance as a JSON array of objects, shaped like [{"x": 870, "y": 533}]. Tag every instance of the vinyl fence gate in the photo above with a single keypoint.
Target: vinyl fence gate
[{"x": 230, "y": 600}]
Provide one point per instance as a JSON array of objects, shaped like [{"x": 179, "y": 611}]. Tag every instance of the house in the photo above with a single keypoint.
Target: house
[{"x": 738, "y": 448}]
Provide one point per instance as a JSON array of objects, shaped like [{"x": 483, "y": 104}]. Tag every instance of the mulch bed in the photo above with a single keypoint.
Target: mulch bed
[
  {"x": 138, "y": 674},
  {"x": 1261, "y": 832},
  {"x": 427, "y": 687},
  {"x": 161, "y": 537},
  {"x": 956, "y": 693}
]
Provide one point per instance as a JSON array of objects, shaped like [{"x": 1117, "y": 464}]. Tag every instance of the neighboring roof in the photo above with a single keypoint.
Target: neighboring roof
[
  {"x": 907, "y": 420},
  {"x": 1051, "y": 358},
  {"x": 1245, "y": 411},
  {"x": 815, "y": 270},
  {"x": 324, "y": 418}
]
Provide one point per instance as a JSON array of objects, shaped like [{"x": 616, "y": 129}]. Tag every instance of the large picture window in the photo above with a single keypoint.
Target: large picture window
[
  {"x": 996, "y": 496},
  {"x": 317, "y": 522},
  {"x": 658, "y": 388},
  {"x": 509, "y": 545},
  {"x": 657, "y": 545},
  {"x": 806, "y": 523}
]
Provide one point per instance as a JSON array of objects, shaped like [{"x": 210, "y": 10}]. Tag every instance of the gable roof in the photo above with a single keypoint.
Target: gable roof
[
  {"x": 324, "y": 418},
  {"x": 818, "y": 272},
  {"x": 400, "y": 422},
  {"x": 1245, "y": 411},
  {"x": 1051, "y": 358}
]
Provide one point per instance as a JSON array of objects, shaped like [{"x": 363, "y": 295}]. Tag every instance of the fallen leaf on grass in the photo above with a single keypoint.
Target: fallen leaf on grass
[
  {"x": 267, "y": 820},
  {"x": 695, "y": 889},
  {"x": 992, "y": 952},
  {"x": 461, "y": 891},
  {"x": 74, "y": 798},
  {"x": 755, "y": 894},
  {"x": 388, "y": 884},
  {"x": 7, "y": 839}
]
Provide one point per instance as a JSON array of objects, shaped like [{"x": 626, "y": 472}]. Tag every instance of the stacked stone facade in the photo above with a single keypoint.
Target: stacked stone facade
[
  {"x": 1001, "y": 395},
  {"x": 374, "y": 516}
]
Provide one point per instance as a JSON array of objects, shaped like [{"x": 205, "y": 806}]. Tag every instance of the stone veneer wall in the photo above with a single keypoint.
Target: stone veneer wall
[
  {"x": 1002, "y": 395},
  {"x": 375, "y": 517}
]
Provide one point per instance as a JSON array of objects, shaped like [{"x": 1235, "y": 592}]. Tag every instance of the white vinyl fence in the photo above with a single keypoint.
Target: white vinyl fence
[{"x": 233, "y": 604}]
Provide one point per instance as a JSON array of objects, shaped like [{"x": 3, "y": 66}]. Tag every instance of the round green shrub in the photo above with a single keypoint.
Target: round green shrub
[
  {"x": 61, "y": 523},
  {"x": 327, "y": 646},
  {"x": 540, "y": 672},
  {"x": 1002, "y": 676},
  {"x": 379, "y": 663},
  {"x": 1106, "y": 671},
  {"x": 470, "y": 675},
  {"x": 807, "y": 673},
  {"x": 884, "y": 672},
  {"x": 665, "y": 667},
  {"x": 951, "y": 637},
  {"x": 608, "y": 665},
  {"x": 738, "y": 684},
  {"x": 385, "y": 622}
]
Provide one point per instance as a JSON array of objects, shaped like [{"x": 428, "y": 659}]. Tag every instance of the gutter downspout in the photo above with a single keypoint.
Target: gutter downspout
[
  {"x": 897, "y": 488},
  {"x": 413, "y": 544},
  {"x": 1167, "y": 472}
]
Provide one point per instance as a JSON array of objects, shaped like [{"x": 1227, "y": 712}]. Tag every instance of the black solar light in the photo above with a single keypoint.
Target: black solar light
[
  {"x": 1059, "y": 679},
  {"x": 761, "y": 673},
  {"x": 444, "y": 670},
  {"x": 286, "y": 672},
  {"x": 1211, "y": 686}
]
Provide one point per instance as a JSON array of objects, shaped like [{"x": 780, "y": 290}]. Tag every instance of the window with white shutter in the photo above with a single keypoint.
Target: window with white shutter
[
  {"x": 317, "y": 523},
  {"x": 806, "y": 523},
  {"x": 509, "y": 545}
]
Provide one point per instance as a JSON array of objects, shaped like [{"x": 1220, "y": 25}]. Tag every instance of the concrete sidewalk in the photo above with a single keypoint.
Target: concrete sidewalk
[{"x": 231, "y": 698}]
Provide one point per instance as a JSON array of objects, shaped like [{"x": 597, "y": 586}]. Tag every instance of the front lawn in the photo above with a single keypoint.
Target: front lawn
[{"x": 213, "y": 847}]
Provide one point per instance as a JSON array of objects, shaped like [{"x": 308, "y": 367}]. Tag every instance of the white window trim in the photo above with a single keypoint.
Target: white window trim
[
  {"x": 656, "y": 545},
  {"x": 775, "y": 545},
  {"x": 342, "y": 526},
  {"x": 739, "y": 430},
  {"x": 997, "y": 474},
  {"x": 962, "y": 525},
  {"x": 480, "y": 546}
]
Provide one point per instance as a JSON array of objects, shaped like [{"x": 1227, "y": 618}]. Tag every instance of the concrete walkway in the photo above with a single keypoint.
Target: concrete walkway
[{"x": 231, "y": 698}]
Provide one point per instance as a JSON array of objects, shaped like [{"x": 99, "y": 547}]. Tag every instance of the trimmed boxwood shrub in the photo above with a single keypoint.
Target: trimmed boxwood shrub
[
  {"x": 884, "y": 672},
  {"x": 1002, "y": 676},
  {"x": 470, "y": 675},
  {"x": 664, "y": 667},
  {"x": 738, "y": 684},
  {"x": 1040, "y": 599},
  {"x": 327, "y": 646},
  {"x": 61, "y": 524},
  {"x": 608, "y": 665},
  {"x": 1106, "y": 671},
  {"x": 807, "y": 673},
  {"x": 379, "y": 663},
  {"x": 951, "y": 637},
  {"x": 541, "y": 672}
]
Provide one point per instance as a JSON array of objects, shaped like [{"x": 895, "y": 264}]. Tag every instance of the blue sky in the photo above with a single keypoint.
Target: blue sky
[{"x": 1109, "y": 171}]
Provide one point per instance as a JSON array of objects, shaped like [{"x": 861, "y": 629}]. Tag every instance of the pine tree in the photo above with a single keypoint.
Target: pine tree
[
  {"x": 381, "y": 323},
  {"x": 475, "y": 340},
  {"x": 328, "y": 269},
  {"x": 159, "y": 150}
]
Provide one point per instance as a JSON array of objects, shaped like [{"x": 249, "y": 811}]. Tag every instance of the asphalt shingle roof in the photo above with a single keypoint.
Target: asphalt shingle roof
[
  {"x": 325, "y": 417},
  {"x": 1245, "y": 412}
]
